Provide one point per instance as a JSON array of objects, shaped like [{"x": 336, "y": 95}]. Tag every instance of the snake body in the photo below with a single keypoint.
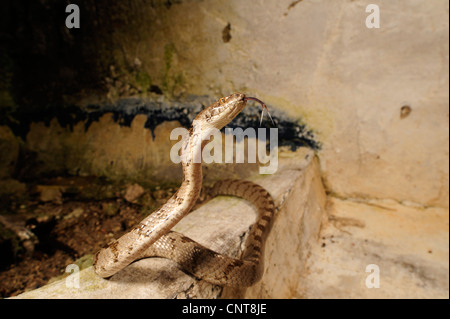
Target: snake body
[{"x": 152, "y": 236}]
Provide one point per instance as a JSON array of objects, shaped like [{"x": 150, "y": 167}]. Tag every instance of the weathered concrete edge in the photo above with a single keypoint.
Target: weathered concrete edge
[{"x": 296, "y": 228}]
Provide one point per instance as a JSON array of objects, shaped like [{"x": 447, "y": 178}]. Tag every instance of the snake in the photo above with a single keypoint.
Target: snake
[{"x": 153, "y": 237}]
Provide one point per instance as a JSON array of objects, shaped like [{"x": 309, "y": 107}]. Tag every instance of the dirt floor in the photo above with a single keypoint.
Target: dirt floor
[{"x": 61, "y": 221}]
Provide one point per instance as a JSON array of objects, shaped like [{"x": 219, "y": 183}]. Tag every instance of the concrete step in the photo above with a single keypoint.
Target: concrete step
[{"x": 221, "y": 225}]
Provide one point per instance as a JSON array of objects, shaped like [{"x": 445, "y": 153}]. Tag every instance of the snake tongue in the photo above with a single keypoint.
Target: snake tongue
[
  {"x": 248, "y": 98},
  {"x": 270, "y": 116},
  {"x": 262, "y": 114}
]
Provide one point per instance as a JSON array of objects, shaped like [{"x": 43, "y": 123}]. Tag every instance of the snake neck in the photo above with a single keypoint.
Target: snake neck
[
  {"x": 191, "y": 185},
  {"x": 191, "y": 160},
  {"x": 186, "y": 196}
]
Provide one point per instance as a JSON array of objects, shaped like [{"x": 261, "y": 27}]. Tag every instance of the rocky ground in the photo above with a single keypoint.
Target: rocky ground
[{"x": 45, "y": 227}]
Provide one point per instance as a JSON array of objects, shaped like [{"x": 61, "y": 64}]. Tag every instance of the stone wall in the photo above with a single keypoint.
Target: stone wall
[
  {"x": 377, "y": 99},
  {"x": 318, "y": 61}
]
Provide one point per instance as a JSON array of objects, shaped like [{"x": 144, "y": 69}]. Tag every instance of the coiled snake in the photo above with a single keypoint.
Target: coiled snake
[{"x": 152, "y": 237}]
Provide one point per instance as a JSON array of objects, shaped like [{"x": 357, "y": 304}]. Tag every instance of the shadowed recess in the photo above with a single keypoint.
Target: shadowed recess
[{"x": 124, "y": 111}]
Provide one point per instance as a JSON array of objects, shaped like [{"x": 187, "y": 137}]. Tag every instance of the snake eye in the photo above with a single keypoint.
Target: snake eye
[{"x": 222, "y": 100}]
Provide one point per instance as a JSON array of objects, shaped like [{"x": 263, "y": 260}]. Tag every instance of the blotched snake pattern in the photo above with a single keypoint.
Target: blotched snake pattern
[{"x": 152, "y": 236}]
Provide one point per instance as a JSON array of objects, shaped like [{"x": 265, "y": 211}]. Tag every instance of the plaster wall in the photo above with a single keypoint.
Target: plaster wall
[{"x": 317, "y": 61}]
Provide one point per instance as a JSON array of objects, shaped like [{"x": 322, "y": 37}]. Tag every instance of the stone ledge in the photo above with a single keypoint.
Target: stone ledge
[{"x": 222, "y": 224}]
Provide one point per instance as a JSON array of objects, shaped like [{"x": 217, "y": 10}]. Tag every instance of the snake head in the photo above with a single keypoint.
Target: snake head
[
  {"x": 220, "y": 113},
  {"x": 223, "y": 111}
]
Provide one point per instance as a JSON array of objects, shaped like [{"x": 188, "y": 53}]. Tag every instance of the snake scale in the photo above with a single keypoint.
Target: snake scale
[{"x": 152, "y": 236}]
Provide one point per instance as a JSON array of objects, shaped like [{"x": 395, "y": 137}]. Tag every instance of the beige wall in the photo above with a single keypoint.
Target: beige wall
[{"x": 317, "y": 61}]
